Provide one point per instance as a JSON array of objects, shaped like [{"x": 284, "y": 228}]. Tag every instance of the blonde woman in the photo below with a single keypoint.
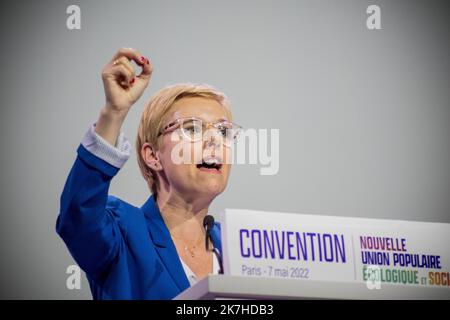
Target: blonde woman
[{"x": 158, "y": 250}]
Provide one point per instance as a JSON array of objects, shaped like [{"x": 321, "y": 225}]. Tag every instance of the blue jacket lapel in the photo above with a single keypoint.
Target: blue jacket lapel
[
  {"x": 164, "y": 244},
  {"x": 216, "y": 237}
]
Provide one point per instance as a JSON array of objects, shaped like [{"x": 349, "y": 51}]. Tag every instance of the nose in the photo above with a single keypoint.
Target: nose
[{"x": 212, "y": 138}]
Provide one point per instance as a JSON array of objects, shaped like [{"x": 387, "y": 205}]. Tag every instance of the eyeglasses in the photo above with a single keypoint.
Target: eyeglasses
[{"x": 192, "y": 129}]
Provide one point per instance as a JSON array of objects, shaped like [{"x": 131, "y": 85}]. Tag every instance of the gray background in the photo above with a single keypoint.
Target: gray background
[{"x": 363, "y": 115}]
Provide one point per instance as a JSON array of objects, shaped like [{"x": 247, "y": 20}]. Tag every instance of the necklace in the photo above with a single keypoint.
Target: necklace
[{"x": 186, "y": 248}]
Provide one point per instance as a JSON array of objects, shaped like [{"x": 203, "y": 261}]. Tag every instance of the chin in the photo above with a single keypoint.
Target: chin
[{"x": 213, "y": 188}]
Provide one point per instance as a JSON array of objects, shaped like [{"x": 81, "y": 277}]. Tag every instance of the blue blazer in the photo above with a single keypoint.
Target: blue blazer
[{"x": 126, "y": 251}]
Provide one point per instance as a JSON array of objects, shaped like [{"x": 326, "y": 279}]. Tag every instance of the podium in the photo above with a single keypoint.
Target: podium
[{"x": 220, "y": 287}]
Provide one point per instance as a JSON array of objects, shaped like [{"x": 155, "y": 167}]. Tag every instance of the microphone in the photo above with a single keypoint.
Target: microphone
[{"x": 208, "y": 224}]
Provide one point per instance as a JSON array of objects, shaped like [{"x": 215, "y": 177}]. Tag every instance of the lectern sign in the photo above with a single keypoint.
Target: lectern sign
[{"x": 300, "y": 246}]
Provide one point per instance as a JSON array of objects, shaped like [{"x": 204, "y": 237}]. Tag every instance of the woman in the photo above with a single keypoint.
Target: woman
[{"x": 158, "y": 250}]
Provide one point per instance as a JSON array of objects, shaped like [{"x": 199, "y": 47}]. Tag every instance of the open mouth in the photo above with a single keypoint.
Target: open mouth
[{"x": 211, "y": 165}]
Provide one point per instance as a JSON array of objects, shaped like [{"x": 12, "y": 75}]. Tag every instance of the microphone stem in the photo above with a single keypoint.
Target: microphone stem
[{"x": 207, "y": 240}]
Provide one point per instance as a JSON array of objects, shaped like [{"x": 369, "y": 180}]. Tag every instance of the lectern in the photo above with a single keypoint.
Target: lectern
[{"x": 216, "y": 287}]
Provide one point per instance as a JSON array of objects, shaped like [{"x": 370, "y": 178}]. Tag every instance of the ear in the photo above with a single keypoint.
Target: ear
[{"x": 150, "y": 156}]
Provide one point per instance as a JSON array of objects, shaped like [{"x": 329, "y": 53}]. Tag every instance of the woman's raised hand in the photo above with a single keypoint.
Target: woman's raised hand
[{"x": 122, "y": 89}]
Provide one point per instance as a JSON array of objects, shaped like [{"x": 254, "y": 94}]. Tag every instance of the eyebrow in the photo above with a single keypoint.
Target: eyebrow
[{"x": 217, "y": 120}]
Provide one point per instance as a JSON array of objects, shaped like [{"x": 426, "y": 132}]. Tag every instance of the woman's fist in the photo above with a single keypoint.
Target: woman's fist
[
  {"x": 122, "y": 86},
  {"x": 122, "y": 89}
]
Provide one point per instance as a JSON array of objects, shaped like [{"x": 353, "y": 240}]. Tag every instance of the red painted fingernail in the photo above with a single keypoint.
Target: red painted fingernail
[
  {"x": 143, "y": 59},
  {"x": 132, "y": 80}
]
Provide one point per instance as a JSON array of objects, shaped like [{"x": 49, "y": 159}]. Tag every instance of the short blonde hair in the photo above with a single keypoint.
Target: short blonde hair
[{"x": 156, "y": 113}]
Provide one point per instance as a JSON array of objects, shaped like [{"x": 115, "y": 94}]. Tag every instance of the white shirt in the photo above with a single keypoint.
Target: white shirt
[
  {"x": 191, "y": 275},
  {"x": 117, "y": 156}
]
